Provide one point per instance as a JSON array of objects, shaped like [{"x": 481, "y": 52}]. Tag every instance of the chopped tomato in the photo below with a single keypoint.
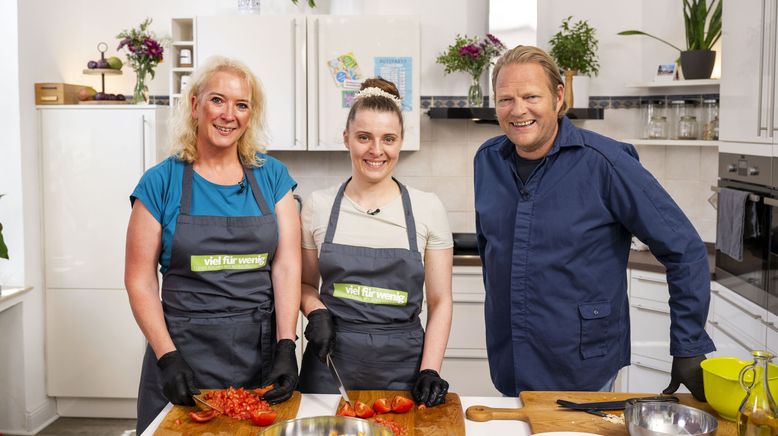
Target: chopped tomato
[
  {"x": 262, "y": 391},
  {"x": 382, "y": 405},
  {"x": 401, "y": 404},
  {"x": 346, "y": 410},
  {"x": 237, "y": 403},
  {"x": 203, "y": 416},
  {"x": 178, "y": 421},
  {"x": 362, "y": 411},
  {"x": 263, "y": 417},
  {"x": 421, "y": 406},
  {"x": 395, "y": 428}
]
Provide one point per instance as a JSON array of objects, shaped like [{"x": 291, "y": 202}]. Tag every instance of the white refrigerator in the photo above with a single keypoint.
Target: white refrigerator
[{"x": 311, "y": 67}]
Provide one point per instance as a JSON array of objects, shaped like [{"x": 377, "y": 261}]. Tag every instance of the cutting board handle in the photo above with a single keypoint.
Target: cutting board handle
[{"x": 484, "y": 413}]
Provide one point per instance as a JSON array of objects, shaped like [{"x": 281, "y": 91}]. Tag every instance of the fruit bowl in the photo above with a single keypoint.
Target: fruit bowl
[{"x": 722, "y": 388}]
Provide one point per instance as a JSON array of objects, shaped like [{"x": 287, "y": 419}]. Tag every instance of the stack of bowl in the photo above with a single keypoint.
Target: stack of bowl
[{"x": 646, "y": 418}]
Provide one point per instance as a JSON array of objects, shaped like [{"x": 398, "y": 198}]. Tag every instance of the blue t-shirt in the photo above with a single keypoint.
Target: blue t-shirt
[{"x": 160, "y": 191}]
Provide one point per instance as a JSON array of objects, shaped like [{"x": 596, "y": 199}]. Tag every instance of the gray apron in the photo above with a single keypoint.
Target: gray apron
[
  {"x": 218, "y": 300},
  {"x": 374, "y": 296}
]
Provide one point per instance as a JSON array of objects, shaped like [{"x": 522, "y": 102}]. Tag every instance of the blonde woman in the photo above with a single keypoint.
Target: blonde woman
[{"x": 219, "y": 219}]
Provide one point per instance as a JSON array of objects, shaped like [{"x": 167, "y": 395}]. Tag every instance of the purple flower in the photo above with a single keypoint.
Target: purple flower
[
  {"x": 470, "y": 50},
  {"x": 122, "y": 43},
  {"x": 153, "y": 48},
  {"x": 494, "y": 40}
]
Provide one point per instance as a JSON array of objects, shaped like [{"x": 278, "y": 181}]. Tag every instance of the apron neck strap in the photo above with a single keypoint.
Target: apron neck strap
[
  {"x": 410, "y": 223},
  {"x": 186, "y": 190},
  {"x": 258, "y": 197}
]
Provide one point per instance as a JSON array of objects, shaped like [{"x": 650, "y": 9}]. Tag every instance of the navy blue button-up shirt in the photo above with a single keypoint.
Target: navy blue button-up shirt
[{"x": 554, "y": 253}]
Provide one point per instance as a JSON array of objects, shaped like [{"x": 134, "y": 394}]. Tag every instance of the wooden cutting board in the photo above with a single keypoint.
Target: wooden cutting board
[
  {"x": 542, "y": 413},
  {"x": 221, "y": 425},
  {"x": 445, "y": 419}
]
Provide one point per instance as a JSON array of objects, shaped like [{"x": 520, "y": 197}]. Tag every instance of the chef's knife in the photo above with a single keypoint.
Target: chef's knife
[
  {"x": 200, "y": 398},
  {"x": 613, "y": 405},
  {"x": 336, "y": 377}
]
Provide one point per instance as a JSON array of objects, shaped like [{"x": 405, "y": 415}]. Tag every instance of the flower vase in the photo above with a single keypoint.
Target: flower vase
[
  {"x": 475, "y": 97},
  {"x": 140, "y": 94}
]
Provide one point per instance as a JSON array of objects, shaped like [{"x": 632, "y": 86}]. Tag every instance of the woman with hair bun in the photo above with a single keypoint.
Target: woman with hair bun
[
  {"x": 375, "y": 244},
  {"x": 219, "y": 219}
]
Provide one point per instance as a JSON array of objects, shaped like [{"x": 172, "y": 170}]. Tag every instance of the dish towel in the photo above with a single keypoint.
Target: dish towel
[{"x": 731, "y": 220}]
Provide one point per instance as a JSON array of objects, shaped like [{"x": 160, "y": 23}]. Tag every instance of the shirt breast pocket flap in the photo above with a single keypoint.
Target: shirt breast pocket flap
[{"x": 595, "y": 320}]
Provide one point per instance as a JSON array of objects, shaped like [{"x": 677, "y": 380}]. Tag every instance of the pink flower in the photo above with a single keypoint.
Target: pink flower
[{"x": 471, "y": 50}]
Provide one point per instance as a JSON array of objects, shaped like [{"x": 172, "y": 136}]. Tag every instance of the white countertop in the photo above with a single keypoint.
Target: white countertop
[{"x": 323, "y": 404}]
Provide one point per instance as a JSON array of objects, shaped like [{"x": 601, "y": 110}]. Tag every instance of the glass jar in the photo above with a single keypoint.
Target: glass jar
[
  {"x": 687, "y": 127},
  {"x": 757, "y": 413},
  {"x": 248, "y": 6},
  {"x": 710, "y": 120},
  {"x": 678, "y": 109},
  {"x": 657, "y": 128},
  {"x": 648, "y": 110}
]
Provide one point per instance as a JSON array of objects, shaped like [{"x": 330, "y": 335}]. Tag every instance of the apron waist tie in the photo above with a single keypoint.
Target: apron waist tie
[
  {"x": 166, "y": 308},
  {"x": 367, "y": 327}
]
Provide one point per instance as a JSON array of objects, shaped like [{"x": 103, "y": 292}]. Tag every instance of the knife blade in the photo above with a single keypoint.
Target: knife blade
[
  {"x": 336, "y": 377},
  {"x": 201, "y": 399},
  {"x": 613, "y": 405}
]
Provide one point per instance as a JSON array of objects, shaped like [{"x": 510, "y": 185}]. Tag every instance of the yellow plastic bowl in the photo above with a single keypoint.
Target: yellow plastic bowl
[{"x": 722, "y": 388}]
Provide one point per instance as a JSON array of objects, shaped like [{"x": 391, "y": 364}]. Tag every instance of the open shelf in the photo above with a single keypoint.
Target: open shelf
[
  {"x": 488, "y": 114},
  {"x": 676, "y": 84},
  {"x": 673, "y": 142}
]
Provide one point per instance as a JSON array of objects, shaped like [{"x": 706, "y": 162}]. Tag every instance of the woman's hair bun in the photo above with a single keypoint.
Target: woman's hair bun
[{"x": 382, "y": 84}]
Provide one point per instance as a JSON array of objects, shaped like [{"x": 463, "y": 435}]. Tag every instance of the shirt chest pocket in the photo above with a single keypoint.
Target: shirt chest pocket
[{"x": 595, "y": 328}]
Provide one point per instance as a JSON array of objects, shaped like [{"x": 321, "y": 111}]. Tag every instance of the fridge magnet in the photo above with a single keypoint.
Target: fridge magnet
[
  {"x": 345, "y": 71},
  {"x": 347, "y": 98},
  {"x": 398, "y": 70},
  {"x": 665, "y": 73}
]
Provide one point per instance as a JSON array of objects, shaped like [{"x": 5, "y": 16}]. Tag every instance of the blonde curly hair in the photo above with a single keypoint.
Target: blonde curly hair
[{"x": 183, "y": 127}]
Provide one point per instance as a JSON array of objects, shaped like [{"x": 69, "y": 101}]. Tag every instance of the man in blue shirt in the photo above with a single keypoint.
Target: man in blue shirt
[{"x": 556, "y": 207}]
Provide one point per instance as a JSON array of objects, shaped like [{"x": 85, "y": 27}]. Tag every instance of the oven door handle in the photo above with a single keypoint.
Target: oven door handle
[
  {"x": 771, "y": 202},
  {"x": 752, "y": 197}
]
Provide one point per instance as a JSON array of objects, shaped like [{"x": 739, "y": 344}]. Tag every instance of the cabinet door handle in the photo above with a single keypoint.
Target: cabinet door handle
[
  {"x": 759, "y": 127},
  {"x": 731, "y": 336},
  {"x": 739, "y": 307},
  {"x": 651, "y": 309},
  {"x": 650, "y": 280},
  {"x": 771, "y": 326},
  {"x": 770, "y": 202},
  {"x": 771, "y": 65}
]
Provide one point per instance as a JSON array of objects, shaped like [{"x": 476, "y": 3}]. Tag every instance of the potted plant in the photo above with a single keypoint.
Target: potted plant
[
  {"x": 574, "y": 48},
  {"x": 473, "y": 56},
  {"x": 702, "y": 22}
]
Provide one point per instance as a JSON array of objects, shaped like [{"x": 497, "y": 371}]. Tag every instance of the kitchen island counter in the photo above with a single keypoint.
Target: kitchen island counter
[{"x": 323, "y": 404}]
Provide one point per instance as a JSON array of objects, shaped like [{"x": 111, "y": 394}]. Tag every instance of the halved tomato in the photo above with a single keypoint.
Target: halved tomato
[
  {"x": 362, "y": 411},
  {"x": 401, "y": 404},
  {"x": 263, "y": 417},
  {"x": 382, "y": 405},
  {"x": 346, "y": 410},
  {"x": 203, "y": 416},
  {"x": 262, "y": 391}
]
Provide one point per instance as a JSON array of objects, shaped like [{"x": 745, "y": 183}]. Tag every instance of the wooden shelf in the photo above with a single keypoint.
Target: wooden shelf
[
  {"x": 488, "y": 114},
  {"x": 98, "y": 71},
  {"x": 676, "y": 84},
  {"x": 673, "y": 142}
]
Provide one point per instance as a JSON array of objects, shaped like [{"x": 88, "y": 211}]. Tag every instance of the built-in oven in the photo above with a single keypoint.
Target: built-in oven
[{"x": 751, "y": 276}]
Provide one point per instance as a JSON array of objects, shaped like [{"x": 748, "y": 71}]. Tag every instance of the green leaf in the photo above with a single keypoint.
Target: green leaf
[
  {"x": 3, "y": 247},
  {"x": 638, "y": 32}
]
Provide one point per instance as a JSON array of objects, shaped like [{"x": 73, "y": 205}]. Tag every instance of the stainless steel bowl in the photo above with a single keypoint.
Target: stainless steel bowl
[
  {"x": 323, "y": 425},
  {"x": 662, "y": 418}
]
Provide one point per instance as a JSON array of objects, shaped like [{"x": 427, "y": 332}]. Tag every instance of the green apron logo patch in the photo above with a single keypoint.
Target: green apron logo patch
[
  {"x": 217, "y": 262},
  {"x": 370, "y": 294}
]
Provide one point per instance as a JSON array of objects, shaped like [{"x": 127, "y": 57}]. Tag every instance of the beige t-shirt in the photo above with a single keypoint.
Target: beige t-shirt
[{"x": 386, "y": 229}]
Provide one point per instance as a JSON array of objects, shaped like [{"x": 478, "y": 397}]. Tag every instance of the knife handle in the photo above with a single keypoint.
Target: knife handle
[{"x": 484, "y": 413}]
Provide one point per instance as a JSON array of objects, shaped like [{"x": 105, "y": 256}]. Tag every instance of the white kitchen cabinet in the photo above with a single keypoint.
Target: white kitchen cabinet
[
  {"x": 92, "y": 156},
  {"x": 273, "y": 47},
  {"x": 748, "y": 67},
  {"x": 738, "y": 325},
  {"x": 296, "y": 58}
]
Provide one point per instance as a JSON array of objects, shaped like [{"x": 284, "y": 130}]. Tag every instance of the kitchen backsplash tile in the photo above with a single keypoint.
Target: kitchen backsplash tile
[
  {"x": 653, "y": 159},
  {"x": 683, "y": 163}
]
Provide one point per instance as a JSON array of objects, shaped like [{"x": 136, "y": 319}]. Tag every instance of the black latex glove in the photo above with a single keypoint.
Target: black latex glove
[
  {"x": 687, "y": 370},
  {"x": 177, "y": 379},
  {"x": 283, "y": 374},
  {"x": 320, "y": 333},
  {"x": 429, "y": 388}
]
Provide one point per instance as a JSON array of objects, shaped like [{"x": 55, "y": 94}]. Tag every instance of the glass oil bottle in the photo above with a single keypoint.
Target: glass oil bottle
[{"x": 758, "y": 414}]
